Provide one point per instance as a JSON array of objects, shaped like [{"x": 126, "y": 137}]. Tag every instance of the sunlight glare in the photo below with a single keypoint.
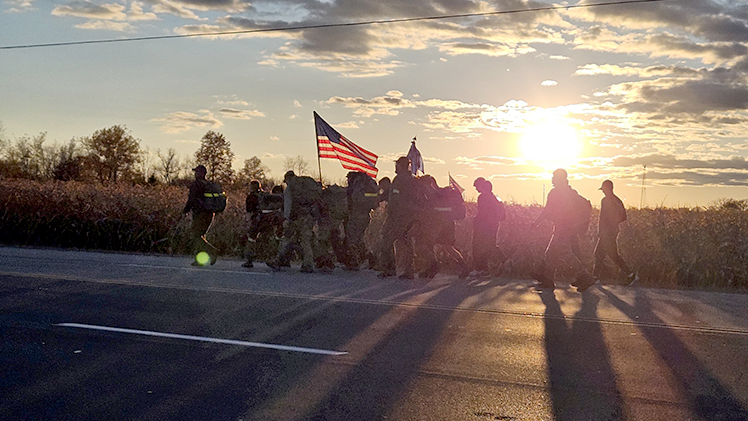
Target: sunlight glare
[{"x": 551, "y": 144}]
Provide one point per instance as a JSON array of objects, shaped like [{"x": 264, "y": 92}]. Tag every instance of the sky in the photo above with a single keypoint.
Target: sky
[{"x": 601, "y": 91}]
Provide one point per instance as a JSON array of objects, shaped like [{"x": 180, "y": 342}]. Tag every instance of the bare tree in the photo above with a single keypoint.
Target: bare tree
[
  {"x": 298, "y": 165},
  {"x": 215, "y": 153},
  {"x": 168, "y": 166}
]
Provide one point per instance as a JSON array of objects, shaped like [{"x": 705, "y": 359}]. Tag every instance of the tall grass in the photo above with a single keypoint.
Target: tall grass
[{"x": 686, "y": 247}]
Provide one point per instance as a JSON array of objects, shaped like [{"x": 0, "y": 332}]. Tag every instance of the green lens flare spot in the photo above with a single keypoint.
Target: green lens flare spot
[{"x": 202, "y": 258}]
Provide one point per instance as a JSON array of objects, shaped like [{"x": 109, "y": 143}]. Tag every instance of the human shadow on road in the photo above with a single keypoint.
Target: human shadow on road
[
  {"x": 582, "y": 381},
  {"x": 705, "y": 394},
  {"x": 379, "y": 381}
]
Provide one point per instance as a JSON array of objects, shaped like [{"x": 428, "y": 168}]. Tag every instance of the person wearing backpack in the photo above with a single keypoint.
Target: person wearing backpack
[
  {"x": 362, "y": 197},
  {"x": 330, "y": 244},
  {"x": 301, "y": 209},
  {"x": 612, "y": 213},
  {"x": 406, "y": 199},
  {"x": 490, "y": 212},
  {"x": 202, "y": 218},
  {"x": 567, "y": 210},
  {"x": 444, "y": 206}
]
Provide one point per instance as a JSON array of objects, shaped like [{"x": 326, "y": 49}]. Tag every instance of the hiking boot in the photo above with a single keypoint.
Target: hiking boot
[
  {"x": 213, "y": 259},
  {"x": 386, "y": 273},
  {"x": 195, "y": 263},
  {"x": 248, "y": 264},
  {"x": 430, "y": 272},
  {"x": 307, "y": 269},
  {"x": 544, "y": 286},
  {"x": 407, "y": 275},
  {"x": 274, "y": 265},
  {"x": 584, "y": 281}
]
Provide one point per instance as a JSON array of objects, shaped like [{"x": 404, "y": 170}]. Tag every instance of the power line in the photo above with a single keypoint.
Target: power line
[{"x": 328, "y": 25}]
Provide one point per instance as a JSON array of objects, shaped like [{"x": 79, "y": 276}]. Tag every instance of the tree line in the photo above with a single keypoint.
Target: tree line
[{"x": 114, "y": 155}]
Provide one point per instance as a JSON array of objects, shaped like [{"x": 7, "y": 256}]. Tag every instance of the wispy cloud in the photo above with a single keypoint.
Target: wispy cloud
[{"x": 182, "y": 121}]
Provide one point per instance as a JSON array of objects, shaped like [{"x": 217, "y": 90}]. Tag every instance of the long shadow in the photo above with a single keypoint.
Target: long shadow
[
  {"x": 379, "y": 381},
  {"x": 123, "y": 377},
  {"x": 704, "y": 393},
  {"x": 583, "y": 384}
]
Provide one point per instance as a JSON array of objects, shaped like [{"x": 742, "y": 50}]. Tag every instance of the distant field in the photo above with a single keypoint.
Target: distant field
[{"x": 693, "y": 247}]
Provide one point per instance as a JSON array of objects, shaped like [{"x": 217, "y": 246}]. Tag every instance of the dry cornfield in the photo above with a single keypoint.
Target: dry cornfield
[{"x": 685, "y": 247}]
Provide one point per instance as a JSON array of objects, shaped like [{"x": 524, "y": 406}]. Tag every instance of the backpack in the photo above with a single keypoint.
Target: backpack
[
  {"x": 363, "y": 193},
  {"x": 494, "y": 209},
  {"x": 213, "y": 198},
  {"x": 306, "y": 194},
  {"x": 582, "y": 212},
  {"x": 336, "y": 202},
  {"x": 450, "y": 198},
  {"x": 268, "y": 202}
]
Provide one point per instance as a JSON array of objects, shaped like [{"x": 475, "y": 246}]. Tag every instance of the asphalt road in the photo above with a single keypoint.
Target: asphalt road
[{"x": 97, "y": 336}]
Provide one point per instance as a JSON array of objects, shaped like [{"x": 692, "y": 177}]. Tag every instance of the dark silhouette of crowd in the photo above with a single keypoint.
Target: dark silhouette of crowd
[{"x": 326, "y": 226}]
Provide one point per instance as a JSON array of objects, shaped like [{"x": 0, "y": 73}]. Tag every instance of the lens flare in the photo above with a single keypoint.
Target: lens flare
[{"x": 202, "y": 258}]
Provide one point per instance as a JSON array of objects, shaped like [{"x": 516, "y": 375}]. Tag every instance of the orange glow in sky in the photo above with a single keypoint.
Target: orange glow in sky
[{"x": 550, "y": 144}]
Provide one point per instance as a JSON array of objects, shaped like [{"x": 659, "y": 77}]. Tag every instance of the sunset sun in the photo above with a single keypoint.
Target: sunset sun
[{"x": 550, "y": 144}]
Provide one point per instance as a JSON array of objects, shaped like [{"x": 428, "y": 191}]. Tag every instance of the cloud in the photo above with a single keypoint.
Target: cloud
[
  {"x": 717, "y": 90},
  {"x": 485, "y": 162},
  {"x": 19, "y": 6},
  {"x": 672, "y": 162},
  {"x": 137, "y": 13},
  {"x": 489, "y": 49},
  {"x": 182, "y": 121},
  {"x": 112, "y": 17},
  {"x": 106, "y": 25},
  {"x": 229, "y": 6},
  {"x": 702, "y": 179},
  {"x": 176, "y": 9},
  {"x": 87, "y": 9},
  {"x": 240, "y": 114},
  {"x": 370, "y": 51},
  {"x": 386, "y": 105},
  {"x": 548, "y": 83},
  {"x": 230, "y": 100},
  {"x": 723, "y": 21},
  {"x": 347, "y": 125}
]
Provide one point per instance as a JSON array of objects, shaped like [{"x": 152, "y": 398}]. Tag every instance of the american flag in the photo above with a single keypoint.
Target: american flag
[
  {"x": 454, "y": 184},
  {"x": 332, "y": 144}
]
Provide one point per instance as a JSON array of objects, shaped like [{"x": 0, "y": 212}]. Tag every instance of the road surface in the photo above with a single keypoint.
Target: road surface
[{"x": 103, "y": 336}]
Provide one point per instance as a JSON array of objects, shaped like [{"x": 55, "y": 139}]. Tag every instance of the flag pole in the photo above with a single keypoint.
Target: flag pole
[{"x": 316, "y": 135}]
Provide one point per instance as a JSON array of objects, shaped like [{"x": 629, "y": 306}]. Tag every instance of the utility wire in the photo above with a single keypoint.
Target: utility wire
[{"x": 330, "y": 25}]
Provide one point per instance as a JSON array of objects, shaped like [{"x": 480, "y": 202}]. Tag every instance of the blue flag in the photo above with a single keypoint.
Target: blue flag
[{"x": 416, "y": 161}]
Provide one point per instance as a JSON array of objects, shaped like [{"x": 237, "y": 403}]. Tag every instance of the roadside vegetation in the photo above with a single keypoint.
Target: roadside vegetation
[
  {"x": 687, "y": 247},
  {"x": 104, "y": 192}
]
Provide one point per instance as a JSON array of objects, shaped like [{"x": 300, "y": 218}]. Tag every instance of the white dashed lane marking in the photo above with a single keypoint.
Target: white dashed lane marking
[{"x": 203, "y": 339}]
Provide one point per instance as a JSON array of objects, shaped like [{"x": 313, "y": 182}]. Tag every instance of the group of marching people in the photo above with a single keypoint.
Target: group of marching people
[{"x": 324, "y": 225}]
